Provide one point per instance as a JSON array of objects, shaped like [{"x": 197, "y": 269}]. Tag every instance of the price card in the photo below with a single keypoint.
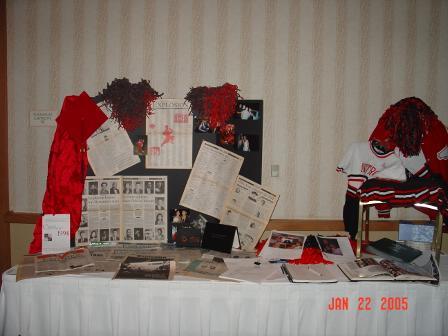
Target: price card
[{"x": 55, "y": 233}]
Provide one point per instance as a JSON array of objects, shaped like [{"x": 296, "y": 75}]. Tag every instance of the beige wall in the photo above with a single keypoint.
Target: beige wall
[{"x": 326, "y": 71}]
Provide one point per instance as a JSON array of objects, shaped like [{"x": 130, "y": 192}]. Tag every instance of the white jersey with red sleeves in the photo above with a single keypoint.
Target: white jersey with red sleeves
[{"x": 362, "y": 162}]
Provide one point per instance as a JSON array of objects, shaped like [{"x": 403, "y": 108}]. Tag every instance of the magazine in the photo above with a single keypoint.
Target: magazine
[
  {"x": 371, "y": 269},
  {"x": 309, "y": 273},
  {"x": 74, "y": 259},
  {"x": 147, "y": 268}
]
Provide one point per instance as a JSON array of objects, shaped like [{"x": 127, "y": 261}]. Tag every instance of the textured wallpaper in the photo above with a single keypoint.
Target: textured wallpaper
[{"x": 326, "y": 70}]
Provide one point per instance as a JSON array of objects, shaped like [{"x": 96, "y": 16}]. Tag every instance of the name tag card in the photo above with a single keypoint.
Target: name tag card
[{"x": 55, "y": 233}]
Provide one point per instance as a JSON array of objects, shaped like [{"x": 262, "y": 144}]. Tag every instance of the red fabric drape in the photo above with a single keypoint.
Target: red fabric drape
[{"x": 67, "y": 164}]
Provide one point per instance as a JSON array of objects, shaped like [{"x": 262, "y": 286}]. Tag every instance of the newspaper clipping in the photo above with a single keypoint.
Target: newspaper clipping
[
  {"x": 109, "y": 149},
  {"x": 130, "y": 208},
  {"x": 213, "y": 175},
  {"x": 150, "y": 268},
  {"x": 170, "y": 135},
  {"x": 249, "y": 207},
  {"x": 145, "y": 208},
  {"x": 74, "y": 259}
]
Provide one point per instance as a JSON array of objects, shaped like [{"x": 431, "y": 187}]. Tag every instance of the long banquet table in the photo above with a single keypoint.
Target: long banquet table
[{"x": 97, "y": 305}]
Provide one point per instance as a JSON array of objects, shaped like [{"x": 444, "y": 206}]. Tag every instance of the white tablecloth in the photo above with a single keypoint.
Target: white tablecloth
[{"x": 96, "y": 305}]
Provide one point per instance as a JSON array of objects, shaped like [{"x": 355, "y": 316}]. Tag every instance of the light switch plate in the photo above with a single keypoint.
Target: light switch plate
[{"x": 275, "y": 170}]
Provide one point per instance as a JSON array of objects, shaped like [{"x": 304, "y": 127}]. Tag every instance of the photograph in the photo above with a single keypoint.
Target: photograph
[
  {"x": 247, "y": 142},
  {"x": 104, "y": 235},
  {"x": 149, "y": 187},
  {"x": 159, "y": 187},
  {"x": 175, "y": 216},
  {"x": 104, "y": 188},
  {"x": 127, "y": 187},
  {"x": 329, "y": 245},
  {"x": 83, "y": 222},
  {"x": 115, "y": 234},
  {"x": 160, "y": 234},
  {"x": 179, "y": 215},
  {"x": 159, "y": 219},
  {"x": 286, "y": 241},
  {"x": 138, "y": 187},
  {"x": 140, "y": 145},
  {"x": 227, "y": 135},
  {"x": 247, "y": 112},
  {"x": 129, "y": 235},
  {"x": 134, "y": 267},
  {"x": 93, "y": 188},
  {"x": 160, "y": 203},
  {"x": 138, "y": 233},
  {"x": 113, "y": 188},
  {"x": 149, "y": 234},
  {"x": 201, "y": 126},
  {"x": 84, "y": 204},
  {"x": 198, "y": 222},
  {"x": 94, "y": 236},
  {"x": 82, "y": 236}
]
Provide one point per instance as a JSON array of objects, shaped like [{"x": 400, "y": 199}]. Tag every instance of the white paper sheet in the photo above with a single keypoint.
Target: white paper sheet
[{"x": 55, "y": 233}]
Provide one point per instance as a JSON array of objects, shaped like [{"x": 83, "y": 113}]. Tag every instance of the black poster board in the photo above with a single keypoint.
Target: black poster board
[{"x": 248, "y": 122}]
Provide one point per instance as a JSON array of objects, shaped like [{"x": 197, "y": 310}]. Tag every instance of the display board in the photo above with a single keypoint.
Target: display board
[{"x": 243, "y": 135}]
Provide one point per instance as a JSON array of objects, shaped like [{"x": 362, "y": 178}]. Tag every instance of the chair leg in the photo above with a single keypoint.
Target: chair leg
[
  {"x": 360, "y": 229},
  {"x": 437, "y": 238}
]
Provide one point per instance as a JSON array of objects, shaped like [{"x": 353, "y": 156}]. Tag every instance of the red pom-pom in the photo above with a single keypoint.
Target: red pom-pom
[{"x": 214, "y": 104}]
